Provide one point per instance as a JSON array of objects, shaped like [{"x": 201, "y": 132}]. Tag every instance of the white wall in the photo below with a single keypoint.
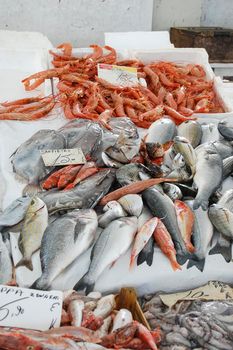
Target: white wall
[{"x": 217, "y": 13}]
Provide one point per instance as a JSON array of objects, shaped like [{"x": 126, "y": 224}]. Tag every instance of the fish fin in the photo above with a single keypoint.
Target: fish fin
[
  {"x": 226, "y": 252},
  {"x": 41, "y": 283},
  {"x": 31, "y": 190},
  {"x": 200, "y": 203},
  {"x": 25, "y": 262},
  {"x": 182, "y": 258},
  {"x": 77, "y": 230},
  {"x": 200, "y": 264},
  {"x": 85, "y": 283},
  {"x": 145, "y": 257}
]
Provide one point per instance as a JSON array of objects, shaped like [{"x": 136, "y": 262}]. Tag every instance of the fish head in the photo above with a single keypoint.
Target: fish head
[
  {"x": 35, "y": 205},
  {"x": 112, "y": 205},
  {"x": 85, "y": 216},
  {"x": 178, "y": 161}
]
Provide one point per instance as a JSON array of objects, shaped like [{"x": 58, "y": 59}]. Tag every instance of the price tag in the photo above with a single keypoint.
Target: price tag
[
  {"x": 29, "y": 308},
  {"x": 210, "y": 291},
  {"x": 55, "y": 157},
  {"x": 118, "y": 75}
]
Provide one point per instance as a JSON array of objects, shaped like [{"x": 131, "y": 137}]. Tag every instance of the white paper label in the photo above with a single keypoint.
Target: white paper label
[
  {"x": 56, "y": 157},
  {"x": 118, "y": 75},
  {"x": 30, "y": 308}
]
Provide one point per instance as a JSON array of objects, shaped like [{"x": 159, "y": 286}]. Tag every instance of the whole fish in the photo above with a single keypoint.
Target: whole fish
[
  {"x": 227, "y": 167},
  {"x": 225, "y": 127},
  {"x": 209, "y": 163},
  {"x": 85, "y": 195},
  {"x": 123, "y": 124},
  {"x": 112, "y": 210},
  {"x": 192, "y": 131},
  {"x": 63, "y": 241},
  {"x": 224, "y": 148},
  {"x": 123, "y": 317},
  {"x": 6, "y": 268},
  {"x": 184, "y": 147},
  {"x": 130, "y": 173},
  {"x": 14, "y": 213},
  {"x": 33, "y": 227},
  {"x": 162, "y": 207},
  {"x": 161, "y": 131},
  {"x": 75, "y": 310},
  {"x": 147, "y": 252},
  {"x": 113, "y": 241},
  {"x": 226, "y": 201},
  {"x": 163, "y": 239},
  {"x": 105, "y": 306},
  {"x": 27, "y": 160},
  {"x": 222, "y": 219},
  {"x": 132, "y": 204},
  {"x": 209, "y": 133},
  {"x": 185, "y": 219},
  {"x": 202, "y": 236},
  {"x": 173, "y": 191},
  {"x": 124, "y": 149},
  {"x": 142, "y": 237}
]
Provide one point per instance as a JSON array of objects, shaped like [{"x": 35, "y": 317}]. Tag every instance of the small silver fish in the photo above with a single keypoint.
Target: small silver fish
[
  {"x": 222, "y": 219},
  {"x": 105, "y": 306},
  {"x": 75, "y": 310},
  {"x": 184, "y": 147},
  {"x": 173, "y": 191},
  {"x": 112, "y": 210}
]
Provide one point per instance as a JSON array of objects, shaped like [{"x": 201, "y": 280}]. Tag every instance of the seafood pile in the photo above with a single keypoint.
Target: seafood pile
[
  {"x": 164, "y": 88},
  {"x": 191, "y": 324}
]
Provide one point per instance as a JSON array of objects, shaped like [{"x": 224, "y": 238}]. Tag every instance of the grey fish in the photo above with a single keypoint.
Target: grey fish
[
  {"x": 209, "y": 133},
  {"x": 6, "y": 268},
  {"x": 192, "y": 131},
  {"x": 110, "y": 162},
  {"x": 225, "y": 127},
  {"x": 180, "y": 174},
  {"x": 224, "y": 148},
  {"x": 63, "y": 241},
  {"x": 27, "y": 161},
  {"x": 14, "y": 213},
  {"x": 173, "y": 191},
  {"x": 222, "y": 219},
  {"x": 147, "y": 253},
  {"x": 223, "y": 247},
  {"x": 226, "y": 200},
  {"x": 161, "y": 131},
  {"x": 162, "y": 207},
  {"x": 123, "y": 124},
  {"x": 208, "y": 176},
  {"x": 124, "y": 149},
  {"x": 112, "y": 210},
  {"x": 113, "y": 241},
  {"x": 184, "y": 147},
  {"x": 227, "y": 167},
  {"x": 130, "y": 173},
  {"x": 86, "y": 195},
  {"x": 202, "y": 236}
]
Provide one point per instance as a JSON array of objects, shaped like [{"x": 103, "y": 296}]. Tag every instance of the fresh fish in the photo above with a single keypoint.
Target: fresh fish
[
  {"x": 105, "y": 306},
  {"x": 172, "y": 191},
  {"x": 180, "y": 174},
  {"x": 202, "y": 236},
  {"x": 113, "y": 241},
  {"x": 130, "y": 173},
  {"x": 112, "y": 210},
  {"x": 147, "y": 252},
  {"x": 142, "y": 237},
  {"x": 161, "y": 131},
  {"x": 225, "y": 127},
  {"x": 227, "y": 167},
  {"x": 14, "y": 213},
  {"x": 132, "y": 204},
  {"x": 75, "y": 310},
  {"x": 223, "y": 246},
  {"x": 186, "y": 190},
  {"x": 226, "y": 201},
  {"x": 185, "y": 219},
  {"x": 86, "y": 195},
  {"x": 63, "y": 241},
  {"x": 78, "y": 334},
  {"x": 184, "y": 147},
  {"x": 33, "y": 227},
  {"x": 144, "y": 217},
  {"x": 209, "y": 162},
  {"x": 224, "y": 148},
  {"x": 178, "y": 162},
  {"x": 168, "y": 157},
  {"x": 163, "y": 239},
  {"x": 162, "y": 207},
  {"x": 6, "y": 268},
  {"x": 27, "y": 161},
  {"x": 209, "y": 133},
  {"x": 124, "y": 149},
  {"x": 123, "y": 124},
  {"x": 123, "y": 317},
  {"x": 110, "y": 162},
  {"x": 192, "y": 131},
  {"x": 222, "y": 219}
]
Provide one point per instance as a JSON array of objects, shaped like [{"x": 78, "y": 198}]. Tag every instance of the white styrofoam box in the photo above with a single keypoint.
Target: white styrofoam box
[
  {"x": 139, "y": 40},
  {"x": 10, "y": 39},
  {"x": 16, "y": 65}
]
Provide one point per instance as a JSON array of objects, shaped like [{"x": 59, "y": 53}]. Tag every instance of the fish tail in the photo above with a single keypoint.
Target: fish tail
[
  {"x": 198, "y": 202},
  {"x": 226, "y": 252},
  {"x": 85, "y": 283},
  {"x": 145, "y": 257},
  {"x": 41, "y": 283},
  {"x": 182, "y": 258},
  {"x": 200, "y": 264},
  {"x": 27, "y": 262}
]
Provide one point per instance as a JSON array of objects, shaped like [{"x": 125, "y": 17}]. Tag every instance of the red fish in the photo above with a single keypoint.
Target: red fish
[{"x": 185, "y": 218}]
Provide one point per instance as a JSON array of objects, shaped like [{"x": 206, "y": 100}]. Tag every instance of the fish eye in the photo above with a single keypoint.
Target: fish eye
[
  {"x": 30, "y": 347},
  {"x": 32, "y": 202}
]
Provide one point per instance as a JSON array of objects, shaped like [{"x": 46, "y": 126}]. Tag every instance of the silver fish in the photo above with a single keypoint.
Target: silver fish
[
  {"x": 202, "y": 236},
  {"x": 86, "y": 195},
  {"x": 168, "y": 157},
  {"x": 33, "y": 227},
  {"x": 123, "y": 124},
  {"x": 112, "y": 243},
  {"x": 112, "y": 210},
  {"x": 132, "y": 204},
  {"x": 192, "y": 131},
  {"x": 130, "y": 173},
  {"x": 222, "y": 219},
  {"x": 162, "y": 207},
  {"x": 208, "y": 176},
  {"x": 225, "y": 127},
  {"x": 161, "y": 131},
  {"x": 184, "y": 147},
  {"x": 209, "y": 133},
  {"x": 226, "y": 200},
  {"x": 180, "y": 174},
  {"x": 27, "y": 161},
  {"x": 173, "y": 191},
  {"x": 110, "y": 162},
  {"x": 124, "y": 149},
  {"x": 224, "y": 148},
  {"x": 227, "y": 167},
  {"x": 6, "y": 268},
  {"x": 178, "y": 162},
  {"x": 63, "y": 241},
  {"x": 105, "y": 306},
  {"x": 223, "y": 247},
  {"x": 75, "y": 310}
]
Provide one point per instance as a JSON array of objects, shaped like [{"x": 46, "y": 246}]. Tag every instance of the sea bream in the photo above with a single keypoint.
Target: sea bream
[
  {"x": 222, "y": 219},
  {"x": 63, "y": 241},
  {"x": 113, "y": 242}
]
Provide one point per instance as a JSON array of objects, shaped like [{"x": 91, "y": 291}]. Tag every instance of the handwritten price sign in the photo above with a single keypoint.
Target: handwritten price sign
[
  {"x": 29, "y": 308},
  {"x": 57, "y": 157},
  {"x": 118, "y": 75}
]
